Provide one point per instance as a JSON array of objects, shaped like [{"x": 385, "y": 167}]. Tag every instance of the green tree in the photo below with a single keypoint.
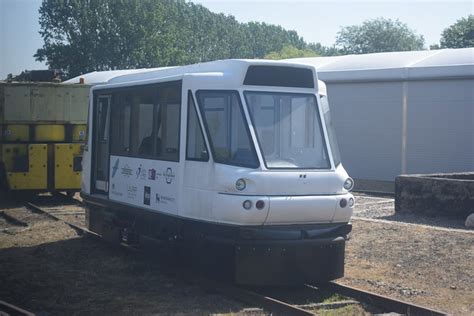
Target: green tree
[
  {"x": 325, "y": 50},
  {"x": 82, "y": 36},
  {"x": 460, "y": 34},
  {"x": 289, "y": 51},
  {"x": 378, "y": 35}
]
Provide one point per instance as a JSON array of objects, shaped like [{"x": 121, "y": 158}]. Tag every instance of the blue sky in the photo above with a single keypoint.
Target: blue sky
[{"x": 316, "y": 21}]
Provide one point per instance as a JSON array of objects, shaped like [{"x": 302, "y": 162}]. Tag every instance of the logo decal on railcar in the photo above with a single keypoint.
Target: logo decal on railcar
[
  {"x": 114, "y": 191},
  {"x": 146, "y": 195},
  {"x": 126, "y": 171},
  {"x": 115, "y": 167},
  {"x": 131, "y": 192},
  {"x": 169, "y": 175},
  {"x": 151, "y": 174},
  {"x": 139, "y": 171},
  {"x": 163, "y": 199},
  {"x": 166, "y": 199}
]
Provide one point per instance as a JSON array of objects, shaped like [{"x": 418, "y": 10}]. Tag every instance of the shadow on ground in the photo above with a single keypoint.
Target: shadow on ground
[{"x": 84, "y": 276}]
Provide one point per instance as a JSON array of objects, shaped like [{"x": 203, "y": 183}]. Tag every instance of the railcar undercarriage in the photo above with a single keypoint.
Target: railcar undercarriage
[{"x": 250, "y": 255}]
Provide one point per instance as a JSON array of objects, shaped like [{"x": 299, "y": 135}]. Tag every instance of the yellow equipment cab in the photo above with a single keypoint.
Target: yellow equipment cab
[{"x": 43, "y": 130}]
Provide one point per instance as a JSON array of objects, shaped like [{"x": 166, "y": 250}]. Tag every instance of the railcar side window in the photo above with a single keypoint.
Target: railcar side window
[
  {"x": 121, "y": 118},
  {"x": 143, "y": 104},
  {"x": 145, "y": 129},
  {"x": 195, "y": 147},
  {"x": 146, "y": 121},
  {"x": 226, "y": 128},
  {"x": 168, "y": 123},
  {"x": 103, "y": 118}
]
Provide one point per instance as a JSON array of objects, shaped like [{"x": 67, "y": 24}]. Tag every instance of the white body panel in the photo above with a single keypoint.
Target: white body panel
[{"x": 205, "y": 190}]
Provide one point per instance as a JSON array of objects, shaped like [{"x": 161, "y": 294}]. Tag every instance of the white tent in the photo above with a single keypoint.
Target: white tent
[{"x": 402, "y": 112}]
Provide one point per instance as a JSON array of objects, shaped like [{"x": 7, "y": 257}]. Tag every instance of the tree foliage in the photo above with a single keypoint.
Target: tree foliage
[
  {"x": 86, "y": 35},
  {"x": 378, "y": 35},
  {"x": 289, "y": 51},
  {"x": 460, "y": 34}
]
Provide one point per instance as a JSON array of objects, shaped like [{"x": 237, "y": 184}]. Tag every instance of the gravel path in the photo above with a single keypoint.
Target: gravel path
[
  {"x": 383, "y": 207},
  {"x": 427, "y": 266},
  {"x": 45, "y": 266}
]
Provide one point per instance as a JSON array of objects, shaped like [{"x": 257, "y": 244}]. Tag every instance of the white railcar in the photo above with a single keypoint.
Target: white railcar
[{"x": 235, "y": 159}]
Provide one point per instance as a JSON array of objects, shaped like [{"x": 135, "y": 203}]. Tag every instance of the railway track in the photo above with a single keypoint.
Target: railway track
[{"x": 280, "y": 303}]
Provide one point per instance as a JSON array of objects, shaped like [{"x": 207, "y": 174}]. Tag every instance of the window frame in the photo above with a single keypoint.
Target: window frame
[
  {"x": 133, "y": 113},
  {"x": 196, "y": 110},
  {"x": 331, "y": 131},
  {"x": 245, "y": 121},
  {"x": 107, "y": 125},
  {"x": 317, "y": 111}
]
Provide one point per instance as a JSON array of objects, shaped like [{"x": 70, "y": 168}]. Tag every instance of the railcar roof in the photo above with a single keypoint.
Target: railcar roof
[{"x": 234, "y": 66}]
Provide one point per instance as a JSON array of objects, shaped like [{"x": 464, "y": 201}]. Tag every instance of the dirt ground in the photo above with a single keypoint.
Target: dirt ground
[
  {"x": 46, "y": 268},
  {"x": 422, "y": 265},
  {"x": 49, "y": 270}
]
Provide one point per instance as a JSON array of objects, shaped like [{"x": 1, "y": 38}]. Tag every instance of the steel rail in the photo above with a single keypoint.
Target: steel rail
[
  {"x": 277, "y": 307},
  {"x": 79, "y": 230},
  {"x": 12, "y": 220},
  {"x": 381, "y": 301}
]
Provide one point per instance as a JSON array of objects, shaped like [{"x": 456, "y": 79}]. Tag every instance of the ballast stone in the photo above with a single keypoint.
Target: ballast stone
[{"x": 470, "y": 221}]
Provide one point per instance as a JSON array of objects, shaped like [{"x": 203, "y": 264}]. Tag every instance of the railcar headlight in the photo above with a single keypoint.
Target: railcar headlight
[
  {"x": 351, "y": 202},
  {"x": 240, "y": 184},
  {"x": 247, "y": 204},
  {"x": 348, "y": 184}
]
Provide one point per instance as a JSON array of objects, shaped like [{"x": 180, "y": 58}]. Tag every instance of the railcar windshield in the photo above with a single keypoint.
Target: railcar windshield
[
  {"x": 289, "y": 130},
  {"x": 227, "y": 128}
]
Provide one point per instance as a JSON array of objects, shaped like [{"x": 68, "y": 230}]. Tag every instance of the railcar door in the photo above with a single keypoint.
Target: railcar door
[{"x": 100, "y": 182}]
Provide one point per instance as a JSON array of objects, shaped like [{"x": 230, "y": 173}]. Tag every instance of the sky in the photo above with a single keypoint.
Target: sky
[{"x": 315, "y": 21}]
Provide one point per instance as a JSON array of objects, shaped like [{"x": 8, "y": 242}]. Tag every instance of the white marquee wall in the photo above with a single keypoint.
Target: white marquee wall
[{"x": 405, "y": 112}]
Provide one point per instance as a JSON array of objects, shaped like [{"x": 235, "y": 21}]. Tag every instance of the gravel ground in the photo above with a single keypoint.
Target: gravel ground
[
  {"x": 418, "y": 258},
  {"x": 48, "y": 269},
  {"x": 415, "y": 263},
  {"x": 383, "y": 207}
]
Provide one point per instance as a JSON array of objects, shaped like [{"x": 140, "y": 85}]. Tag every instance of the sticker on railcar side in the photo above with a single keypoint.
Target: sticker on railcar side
[
  {"x": 143, "y": 182},
  {"x": 146, "y": 195}
]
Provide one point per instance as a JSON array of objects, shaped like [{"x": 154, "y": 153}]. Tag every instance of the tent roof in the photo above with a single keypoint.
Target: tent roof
[{"x": 412, "y": 65}]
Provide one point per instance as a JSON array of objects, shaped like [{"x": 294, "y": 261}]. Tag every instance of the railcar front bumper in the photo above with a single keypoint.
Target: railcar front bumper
[{"x": 280, "y": 256}]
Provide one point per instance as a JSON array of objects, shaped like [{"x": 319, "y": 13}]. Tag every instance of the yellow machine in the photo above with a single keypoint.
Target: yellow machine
[{"x": 43, "y": 129}]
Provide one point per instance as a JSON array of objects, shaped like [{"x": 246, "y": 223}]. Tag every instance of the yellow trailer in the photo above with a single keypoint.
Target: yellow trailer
[{"x": 42, "y": 131}]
